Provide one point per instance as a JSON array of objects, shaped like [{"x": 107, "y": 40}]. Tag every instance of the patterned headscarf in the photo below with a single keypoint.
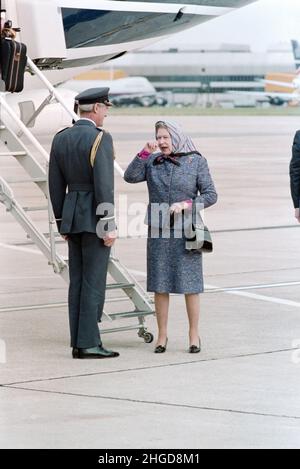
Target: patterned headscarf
[{"x": 181, "y": 142}]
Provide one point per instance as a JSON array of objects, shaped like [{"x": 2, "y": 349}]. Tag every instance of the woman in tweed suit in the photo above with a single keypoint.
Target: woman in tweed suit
[{"x": 175, "y": 177}]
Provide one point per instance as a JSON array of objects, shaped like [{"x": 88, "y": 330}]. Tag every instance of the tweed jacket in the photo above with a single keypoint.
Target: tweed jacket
[{"x": 169, "y": 183}]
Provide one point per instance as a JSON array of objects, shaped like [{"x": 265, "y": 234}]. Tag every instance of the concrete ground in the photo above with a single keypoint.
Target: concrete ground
[{"x": 242, "y": 391}]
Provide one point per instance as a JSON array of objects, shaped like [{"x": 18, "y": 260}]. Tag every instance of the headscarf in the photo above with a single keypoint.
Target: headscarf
[{"x": 181, "y": 142}]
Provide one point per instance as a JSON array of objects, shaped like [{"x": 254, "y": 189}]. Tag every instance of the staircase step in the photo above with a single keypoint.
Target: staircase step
[
  {"x": 31, "y": 243},
  {"x": 35, "y": 209},
  {"x": 23, "y": 181},
  {"x": 56, "y": 234},
  {"x": 120, "y": 286},
  {"x": 14, "y": 153},
  {"x": 131, "y": 314},
  {"x": 117, "y": 300}
]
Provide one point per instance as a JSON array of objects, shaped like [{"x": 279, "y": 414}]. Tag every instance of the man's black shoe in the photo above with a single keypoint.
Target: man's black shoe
[{"x": 95, "y": 352}]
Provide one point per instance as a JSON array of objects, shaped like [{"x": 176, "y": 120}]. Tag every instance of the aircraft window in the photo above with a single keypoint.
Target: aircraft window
[{"x": 27, "y": 109}]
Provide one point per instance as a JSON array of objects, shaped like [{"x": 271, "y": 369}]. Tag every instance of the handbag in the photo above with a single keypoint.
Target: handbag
[
  {"x": 13, "y": 60},
  {"x": 202, "y": 240}
]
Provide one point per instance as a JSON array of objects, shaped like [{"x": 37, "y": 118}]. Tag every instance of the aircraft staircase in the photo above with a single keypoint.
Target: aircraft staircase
[{"x": 30, "y": 154}]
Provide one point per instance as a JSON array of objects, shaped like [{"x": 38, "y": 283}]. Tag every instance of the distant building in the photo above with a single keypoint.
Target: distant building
[{"x": 192, "y": 73}]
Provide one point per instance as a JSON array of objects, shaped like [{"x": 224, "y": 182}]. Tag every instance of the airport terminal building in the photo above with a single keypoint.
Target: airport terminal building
[{"x": 202, "y": 75}]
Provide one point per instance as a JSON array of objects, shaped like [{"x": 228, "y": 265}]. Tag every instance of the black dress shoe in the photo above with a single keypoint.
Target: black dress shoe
[
  {"x": 195, "y": 348},
  {"x": 75, "y": 352},
  {"x": 161, "y": 348},
  {"x": 96, "y": 352}
]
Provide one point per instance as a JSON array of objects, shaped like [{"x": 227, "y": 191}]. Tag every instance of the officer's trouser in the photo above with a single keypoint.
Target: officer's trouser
[{"x": 88, "y": 262}]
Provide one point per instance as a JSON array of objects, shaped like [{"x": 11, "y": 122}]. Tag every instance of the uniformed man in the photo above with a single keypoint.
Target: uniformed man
[
  {"x": 295, "y": 175},
  {"x": 81, "y": 180}
]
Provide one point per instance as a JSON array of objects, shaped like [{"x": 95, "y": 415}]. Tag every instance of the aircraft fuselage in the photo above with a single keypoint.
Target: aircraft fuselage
[{"x": 72, "y": 33}]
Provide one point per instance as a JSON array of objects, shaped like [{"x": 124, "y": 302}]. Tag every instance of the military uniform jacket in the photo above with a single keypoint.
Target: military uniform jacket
[
  {"x": 76, "y": 188},
  {"x": 295, "y": 171},
  {"x": 169, "y": 183}
]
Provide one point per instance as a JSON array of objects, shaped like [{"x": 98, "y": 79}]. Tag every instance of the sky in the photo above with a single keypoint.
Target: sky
[{"x": 261, "y": 25}]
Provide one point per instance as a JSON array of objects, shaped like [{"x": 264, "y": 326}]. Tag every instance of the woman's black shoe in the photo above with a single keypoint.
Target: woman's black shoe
[
  {"x": 161, "y": 348},
  {"x": 195, "y": 348}
]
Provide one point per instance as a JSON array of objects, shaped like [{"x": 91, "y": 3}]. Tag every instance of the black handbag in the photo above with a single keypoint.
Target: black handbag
[{"x": 201, "y": 241}]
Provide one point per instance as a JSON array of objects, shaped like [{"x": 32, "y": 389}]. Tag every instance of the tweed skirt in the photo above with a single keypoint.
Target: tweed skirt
[{"x": 171, "y": 268}]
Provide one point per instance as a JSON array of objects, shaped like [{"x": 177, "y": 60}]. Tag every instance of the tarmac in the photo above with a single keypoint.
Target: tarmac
[{"x": 242, "y": 391}]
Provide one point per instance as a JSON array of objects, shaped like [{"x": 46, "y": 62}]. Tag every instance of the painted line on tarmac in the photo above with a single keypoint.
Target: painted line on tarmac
[
  {"x": 18, "y": 248},
  {"x": 15, "y": 309},
  {"x": 255, "y": 228},
  {"x": 178, "y": 405},
  {"x": 225, "y": 231},
  {"x": 255, "y": 296},
  {"x": 244, "y": 294},
  {"x": 27, "y": 277},
  {"x": 152, "y": 367},
  {"x": 254, "y": 287}
]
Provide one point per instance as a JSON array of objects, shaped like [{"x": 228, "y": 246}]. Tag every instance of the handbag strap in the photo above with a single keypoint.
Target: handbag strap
[{"x": 95, "y": 148}]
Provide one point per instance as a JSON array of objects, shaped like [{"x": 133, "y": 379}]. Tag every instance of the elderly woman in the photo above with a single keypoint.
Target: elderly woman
[{"x": 177, "y": 177}]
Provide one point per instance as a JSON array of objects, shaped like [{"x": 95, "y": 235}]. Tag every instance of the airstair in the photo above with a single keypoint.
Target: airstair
[{"x": 13, "y": 144}]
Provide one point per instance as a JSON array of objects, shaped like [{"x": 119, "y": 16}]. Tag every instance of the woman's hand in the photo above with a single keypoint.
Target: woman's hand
[
  {"x": 110, "y": 239},
  {"x": 297, "y": 214},
  {"x": 150, "y": 147},
  {"x": 179, "y": 207}
]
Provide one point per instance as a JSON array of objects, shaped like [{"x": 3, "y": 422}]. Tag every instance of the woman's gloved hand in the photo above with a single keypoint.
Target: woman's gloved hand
[
  {"x": 148, "y": 149},
  {"x": 179, "y": 207},
  {"x": 110, "y": 239}
]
